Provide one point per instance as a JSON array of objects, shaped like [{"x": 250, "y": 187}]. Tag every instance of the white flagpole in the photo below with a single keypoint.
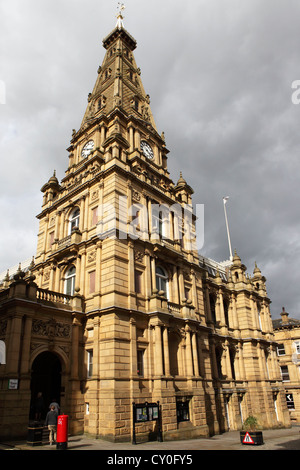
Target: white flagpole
[{"x": 225, "y": 199}]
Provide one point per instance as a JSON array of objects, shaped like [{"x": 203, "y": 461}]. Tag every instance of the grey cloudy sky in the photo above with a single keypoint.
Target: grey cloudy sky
[{"x": 219, "y": 74}]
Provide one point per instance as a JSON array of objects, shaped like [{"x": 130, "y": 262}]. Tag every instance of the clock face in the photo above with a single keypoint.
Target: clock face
[
  {"x": 146, "y": 149},
  {"x": 87, "y": 148}
]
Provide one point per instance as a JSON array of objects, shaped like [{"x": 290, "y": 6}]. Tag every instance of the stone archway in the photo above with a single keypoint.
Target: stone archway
[{"x": 46, "y": 379}]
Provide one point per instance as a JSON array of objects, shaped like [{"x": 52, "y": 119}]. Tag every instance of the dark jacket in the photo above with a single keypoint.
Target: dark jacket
[{"x": 51, "y": 417}]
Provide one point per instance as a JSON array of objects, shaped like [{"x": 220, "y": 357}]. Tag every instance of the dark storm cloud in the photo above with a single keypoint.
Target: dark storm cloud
[{"x": 219, "y": 75}]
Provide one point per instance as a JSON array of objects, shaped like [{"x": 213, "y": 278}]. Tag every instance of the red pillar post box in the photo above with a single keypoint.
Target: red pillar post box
[{"x": 62, "y": 432}]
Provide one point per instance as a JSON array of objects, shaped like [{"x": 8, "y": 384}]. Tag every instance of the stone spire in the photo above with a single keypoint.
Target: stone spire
[{"x": 119, "y": 83}]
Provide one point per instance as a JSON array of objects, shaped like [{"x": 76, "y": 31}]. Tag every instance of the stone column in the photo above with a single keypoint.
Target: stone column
[
  {"x": 86, "y": 212},
  {"x": 195, "y": 353},
  {"x": 51, "y": 280},
  {"x": 228, "y": 361},
  {"x": 133, "y": 348},
  {"x": 234, "y": 317},
  {"x": 148, "y": 289},
  {"x": 153, "y": 274},
  {"x": 25, "y": 356},
  {"x": 98, "y": 273},
  {"x": 166, "y": 350},
  {"x": 241, "y": 362},
  {"x": 56, "y": 231},
  {"x": 194, "y": 290},
  {"x": 46, "y": 225},
  {"x": 175, "y": 286},
  {"x": 96, "y": 348},
  {"x": 82, "y": 274},
  {"x": 62, "y": 224},
  {"x": 131, "y": 138},
  {"x": 131, "y": 267},
  {"x": 158, "y": 351},
  {"x": 131, "y": 287},
  {"x": 57, "y": 279},
  {"x": 189, "y": 357},
  {"x": 137, "y": 140},
  {"x": 102, "y": 137},
  {"x": 181, "y": 285},
  {"x": 254, "y": 314},
  {"x": 75, "y": 347},
  {"x": 13, "y": 343},
  {"x": 262, "y": 362}
]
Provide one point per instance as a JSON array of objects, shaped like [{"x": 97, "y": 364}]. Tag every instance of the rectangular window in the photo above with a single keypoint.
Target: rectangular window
[
  {"x": 95, "y": 216},
  {"x": 285, "y": 373},
  {"x": 51, "y": 239},
  {"x": 138, "y": 281},
  {"x": 140, "y": 362},
  {"x": 297, "y": 346},
  {"x": 183, "y": 412},
  {"x": 290, "y": 401},
  {"x": 90, "y": 363},
  {"x": 92, "y": 281},
  {"x": 280, "y": 350}
]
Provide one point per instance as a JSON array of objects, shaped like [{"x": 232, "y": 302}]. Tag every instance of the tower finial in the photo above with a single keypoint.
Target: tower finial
[{"x": 120, "y": 17}]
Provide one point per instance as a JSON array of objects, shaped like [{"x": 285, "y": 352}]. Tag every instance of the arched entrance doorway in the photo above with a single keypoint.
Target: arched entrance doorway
[{"x": 45, "y": 379}]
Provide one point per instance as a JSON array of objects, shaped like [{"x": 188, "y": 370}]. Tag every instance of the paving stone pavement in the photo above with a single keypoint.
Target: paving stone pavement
[{"x": 275, "y": 439}]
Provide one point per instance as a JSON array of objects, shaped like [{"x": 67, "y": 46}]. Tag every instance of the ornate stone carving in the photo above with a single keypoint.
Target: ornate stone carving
[
  {"x": 92, "y": 257},
  {"x": 95, "y": 195},
  {"x": 138, "y": 256},
  {"x": 135, "y": 195},
  {"x": 51, "y": 328}
]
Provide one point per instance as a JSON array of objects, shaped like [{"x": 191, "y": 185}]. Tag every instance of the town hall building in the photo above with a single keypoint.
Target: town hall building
[{"x": 118, "y": 310}]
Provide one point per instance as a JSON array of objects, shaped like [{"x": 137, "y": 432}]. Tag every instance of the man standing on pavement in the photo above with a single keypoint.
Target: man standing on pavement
[
  {"x": 51, "y": 422},
  {"x": 55, "y": 404}
]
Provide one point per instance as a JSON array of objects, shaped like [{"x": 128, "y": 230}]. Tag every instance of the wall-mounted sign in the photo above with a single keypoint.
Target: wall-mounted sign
[
  {"x": 13, "y": 384},
  {"x": 146, "y": 412}
]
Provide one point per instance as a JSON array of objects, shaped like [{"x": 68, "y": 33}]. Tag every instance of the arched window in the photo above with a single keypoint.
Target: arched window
[
  {"x": 74, "y": 219},
  {"x": 70, "y": 281},
  {"x": 161, "y": 280}
]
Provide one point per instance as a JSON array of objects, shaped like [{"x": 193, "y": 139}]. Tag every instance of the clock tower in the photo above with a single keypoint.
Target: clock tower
[
  {"x": 112, "y": 233},
  {"x": 118, "y": 309}
]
